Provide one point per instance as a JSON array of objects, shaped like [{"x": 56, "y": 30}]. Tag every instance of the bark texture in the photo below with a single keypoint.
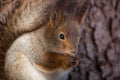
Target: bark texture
[{"x": 99, "y": 47}]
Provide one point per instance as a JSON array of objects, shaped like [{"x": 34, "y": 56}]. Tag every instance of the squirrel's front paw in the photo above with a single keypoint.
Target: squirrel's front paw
[{"x": 70, "y": 61}]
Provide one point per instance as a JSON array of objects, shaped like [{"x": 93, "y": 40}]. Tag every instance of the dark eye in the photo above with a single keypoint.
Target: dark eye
[{"x": 62, "y": 36}]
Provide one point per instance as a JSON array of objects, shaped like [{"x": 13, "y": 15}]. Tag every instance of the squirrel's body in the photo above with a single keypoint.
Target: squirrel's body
[
  {"x": 40, "y": 40},
  {"x": 22, "y": 56}
]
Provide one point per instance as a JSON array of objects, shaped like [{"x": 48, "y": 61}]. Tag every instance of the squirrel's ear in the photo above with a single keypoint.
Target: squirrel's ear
[{"x": 81, "y": 9}]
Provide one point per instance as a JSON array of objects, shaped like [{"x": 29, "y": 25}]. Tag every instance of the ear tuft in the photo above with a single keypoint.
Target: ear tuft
[
  {"x": 81, "y": 10},
  {"x": 73, "y": 9}
]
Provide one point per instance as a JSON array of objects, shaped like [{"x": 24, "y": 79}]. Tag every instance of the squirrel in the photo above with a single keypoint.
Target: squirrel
[{"x": 42, "y": 44}]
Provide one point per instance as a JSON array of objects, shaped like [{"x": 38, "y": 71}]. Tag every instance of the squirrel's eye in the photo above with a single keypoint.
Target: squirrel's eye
[{"x": 62, "y": 36}]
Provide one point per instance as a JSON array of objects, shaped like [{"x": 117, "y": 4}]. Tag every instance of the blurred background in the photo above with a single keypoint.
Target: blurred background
[{"x": 99, "y": 47}]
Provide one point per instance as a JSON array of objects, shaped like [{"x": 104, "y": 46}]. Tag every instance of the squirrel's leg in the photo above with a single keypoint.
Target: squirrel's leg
[{"x": 18, "y": 67}]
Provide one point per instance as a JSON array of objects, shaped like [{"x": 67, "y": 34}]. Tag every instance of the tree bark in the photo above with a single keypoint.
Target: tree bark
[{"x": 99, "y": 47}]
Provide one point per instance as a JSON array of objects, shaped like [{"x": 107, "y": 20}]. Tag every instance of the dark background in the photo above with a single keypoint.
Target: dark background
[{"x": 99, "y": 47}]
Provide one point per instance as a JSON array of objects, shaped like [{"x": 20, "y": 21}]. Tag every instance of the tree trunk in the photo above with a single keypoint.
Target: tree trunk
[{"x": 99, "y": 48}]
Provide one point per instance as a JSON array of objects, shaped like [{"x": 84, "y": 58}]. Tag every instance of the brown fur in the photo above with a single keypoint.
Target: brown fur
[
  {"x": 13, "y": 12},
  {"x": 10, "y": 13},
  {"x": 53, "y": 61}
]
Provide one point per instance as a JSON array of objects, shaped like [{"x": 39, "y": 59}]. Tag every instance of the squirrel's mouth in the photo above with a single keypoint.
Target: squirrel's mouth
[
  {"x": 72, "y": 56},
  {"x": 69, "y": 54},
  {"x": 75, "y": 59}
]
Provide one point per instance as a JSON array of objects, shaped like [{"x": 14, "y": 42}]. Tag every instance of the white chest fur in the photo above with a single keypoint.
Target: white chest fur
[{"x": 19, "y": 66}]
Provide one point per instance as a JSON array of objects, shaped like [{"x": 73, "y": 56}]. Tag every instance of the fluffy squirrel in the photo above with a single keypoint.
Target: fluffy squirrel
[{"x": 39, "y": 38}]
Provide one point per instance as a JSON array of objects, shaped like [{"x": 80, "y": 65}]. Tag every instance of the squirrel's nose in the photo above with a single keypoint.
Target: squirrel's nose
[{"x": 70, "y": 51}]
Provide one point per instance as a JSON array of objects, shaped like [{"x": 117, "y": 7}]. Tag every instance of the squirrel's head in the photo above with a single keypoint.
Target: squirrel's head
[
  {"x": 63, "y": 29},
  {"x": 64, "y": 38}
]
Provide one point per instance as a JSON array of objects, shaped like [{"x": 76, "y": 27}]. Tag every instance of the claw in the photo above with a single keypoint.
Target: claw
[{"x": 76, "y": 61}]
